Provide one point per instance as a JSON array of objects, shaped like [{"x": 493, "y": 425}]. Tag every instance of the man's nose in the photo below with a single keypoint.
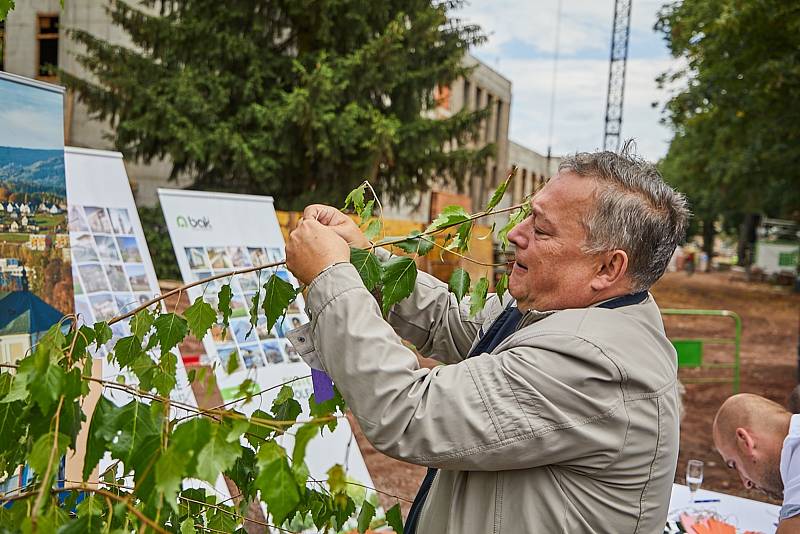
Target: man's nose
[
  {"x": 516, "y": 237},
  {"x": 746, "y": 482}
]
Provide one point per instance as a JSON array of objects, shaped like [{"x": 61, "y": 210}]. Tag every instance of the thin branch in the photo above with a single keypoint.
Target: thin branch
[
  {"x": 50, "y": 460},
  {"x": 473, "y": 260},
  {"x": 99, "y": 491}
]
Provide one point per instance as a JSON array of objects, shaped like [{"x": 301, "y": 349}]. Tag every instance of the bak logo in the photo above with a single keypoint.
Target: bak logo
[{"x": 196, "y": 223}]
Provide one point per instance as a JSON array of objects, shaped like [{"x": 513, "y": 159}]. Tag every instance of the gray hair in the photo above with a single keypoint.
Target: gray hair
[{"x": 635, "y": 211}]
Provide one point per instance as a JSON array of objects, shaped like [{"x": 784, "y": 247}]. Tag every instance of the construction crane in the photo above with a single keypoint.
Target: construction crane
[{"x": 620, "y": 33}]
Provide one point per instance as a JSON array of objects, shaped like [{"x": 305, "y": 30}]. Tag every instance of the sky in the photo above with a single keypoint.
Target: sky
[
  {"x": 30, "y": 117},
  {"x": 521, "y": 45}
]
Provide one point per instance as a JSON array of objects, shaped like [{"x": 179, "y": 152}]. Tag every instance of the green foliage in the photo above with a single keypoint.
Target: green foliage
[
  {"x": 502, "y": 286},
  {"x": 5, "y": 7},
  {"x": 395, "y": 518},
  {"x": 298, "y": 107},
  {"x": 735, "y": 145},
  {"x": 278, "y": 295},
  {"x": 459, "y": 283},
  {"x": 415, "y": 244},
  {"x": 200, "y": 316},
  {"x": 398, "y": 279},
  {"x": 368, "y": 267},
  {"x": 477, "y": 297}
]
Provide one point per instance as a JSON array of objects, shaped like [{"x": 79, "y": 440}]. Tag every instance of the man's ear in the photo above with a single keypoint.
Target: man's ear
[
  {"x": 746, "y": 442},
  {"x": 612, "y": 267}
]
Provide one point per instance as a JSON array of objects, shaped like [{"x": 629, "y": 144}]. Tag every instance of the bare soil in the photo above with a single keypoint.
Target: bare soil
[{"x": 770, "y": 318}]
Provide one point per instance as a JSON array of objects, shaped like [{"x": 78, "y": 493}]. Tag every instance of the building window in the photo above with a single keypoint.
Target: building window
[
  {"x": 47, "y": 40},
  {"x": 467, "y": 88},
  {"x": 2, "y": 44}
]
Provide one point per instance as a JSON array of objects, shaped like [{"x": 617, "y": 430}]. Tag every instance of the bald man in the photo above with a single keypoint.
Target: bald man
[{"x": 761, "y": 441}]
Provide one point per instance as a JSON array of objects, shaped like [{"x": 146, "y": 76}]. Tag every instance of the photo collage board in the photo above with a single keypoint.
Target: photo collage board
[
  {"x": 257, "y": 347},
  {"x": 109, "y": 275}
]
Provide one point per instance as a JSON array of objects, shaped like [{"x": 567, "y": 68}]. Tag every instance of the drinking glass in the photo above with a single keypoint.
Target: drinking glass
[{"x": 694, "y": 477}]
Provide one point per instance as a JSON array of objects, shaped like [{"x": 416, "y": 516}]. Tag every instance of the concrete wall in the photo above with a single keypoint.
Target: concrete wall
[{"x": 532, "y": 170}]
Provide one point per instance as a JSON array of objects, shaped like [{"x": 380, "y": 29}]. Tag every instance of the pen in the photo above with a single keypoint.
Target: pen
[{"x": 705, "y": 500}]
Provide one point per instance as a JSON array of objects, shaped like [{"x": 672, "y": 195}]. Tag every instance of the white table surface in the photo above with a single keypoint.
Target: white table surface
[{"x": 744, "y": 514}]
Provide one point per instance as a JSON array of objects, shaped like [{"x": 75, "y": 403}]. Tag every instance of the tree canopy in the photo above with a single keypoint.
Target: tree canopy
[
  {"x": 736, "y": 121},
  {"x": 299, "y": 99}
]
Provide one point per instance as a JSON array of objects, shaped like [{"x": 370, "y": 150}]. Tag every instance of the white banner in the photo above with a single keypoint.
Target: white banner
[
  {"x": 112, "y": 269},
  {"x": 214, "y": 233}
]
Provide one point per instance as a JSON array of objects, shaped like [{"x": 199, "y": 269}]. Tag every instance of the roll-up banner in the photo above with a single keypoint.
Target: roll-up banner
[
  {"x": 215, "y": 233},
  {"x": 34, "y": 244},
  {"x": 112, "y": 269}
]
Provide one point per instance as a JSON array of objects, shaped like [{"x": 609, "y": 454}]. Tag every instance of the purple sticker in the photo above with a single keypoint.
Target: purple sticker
[{"x": 323, "y": 386}]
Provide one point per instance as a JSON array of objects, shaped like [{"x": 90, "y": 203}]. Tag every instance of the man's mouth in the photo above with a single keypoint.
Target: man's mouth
[{"x": 520, "y": 266}]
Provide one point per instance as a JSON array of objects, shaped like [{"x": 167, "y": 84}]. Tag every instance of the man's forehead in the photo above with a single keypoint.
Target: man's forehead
[{"x": 565, "y": 192}]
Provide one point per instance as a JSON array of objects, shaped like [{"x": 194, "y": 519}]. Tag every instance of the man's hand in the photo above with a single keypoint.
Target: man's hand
[
  {"x": 312, "y": 247},
  {"x": 337, "y": 221}
]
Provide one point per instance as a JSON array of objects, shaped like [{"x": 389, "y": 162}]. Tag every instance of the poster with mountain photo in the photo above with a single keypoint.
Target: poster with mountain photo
[{"x": 34, "y": 241}]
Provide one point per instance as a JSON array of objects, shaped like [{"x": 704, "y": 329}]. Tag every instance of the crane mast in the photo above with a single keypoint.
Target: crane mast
[{"x": 620, "y": 33}]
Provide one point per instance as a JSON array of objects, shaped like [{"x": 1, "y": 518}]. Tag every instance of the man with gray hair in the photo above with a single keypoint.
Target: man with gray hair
[{"x": 557, "y": 410}]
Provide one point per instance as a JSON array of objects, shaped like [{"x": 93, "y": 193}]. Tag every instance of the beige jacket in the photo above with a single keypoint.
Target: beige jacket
[{"x": 569, "y": 426}]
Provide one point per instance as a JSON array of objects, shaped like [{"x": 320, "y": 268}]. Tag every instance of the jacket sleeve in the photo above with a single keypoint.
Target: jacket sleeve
[
  {"x": 556, "y": 403},
  {"x": 433, "y": 320}
]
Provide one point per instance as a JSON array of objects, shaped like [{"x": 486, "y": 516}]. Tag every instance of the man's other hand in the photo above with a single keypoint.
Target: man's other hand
[
  {"x": 312, "y": 247},
  {"x": 337, "y": 221}
]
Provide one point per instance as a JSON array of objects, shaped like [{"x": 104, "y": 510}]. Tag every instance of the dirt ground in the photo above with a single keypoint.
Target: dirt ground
[{"x": 770, "y": 319}]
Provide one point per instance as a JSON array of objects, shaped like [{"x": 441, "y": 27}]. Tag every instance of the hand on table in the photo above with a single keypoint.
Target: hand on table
[
  {"x": 312, "y": 247},
  {"x": 337, "y": 221}
]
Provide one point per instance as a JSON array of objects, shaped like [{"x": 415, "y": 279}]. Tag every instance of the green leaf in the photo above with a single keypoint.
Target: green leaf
[
  {"x": 477, "y": 298},
  {"x": 459, "y": 283},
  {"x": 415, "y": 245},
  {"x": 170, "y": 470},
  {"x": 5, "y": 7},
  {"x": 367, "y": 265},
  {"x": 254, "y": 311},
  {"x": 164, "y": 374},
  {"x": 217, "y": 456},
  {"x": 502, "y": 286},
  {"x": 373, "y": 229},
  {"x": 395, "y": 519},
  {"x": 365, "y": 517},
  {"x": 141, "y": 323},
  {"x": 102, "y": 333},
  {"x": 450, "y": 215},
  {"x": 187, "y": 526},
  {"x": 46, "y": 385},
  {"x": 279, "y": 294},
  {"x": 366, "y": 213},
  {"x": 301, "y": 439},
  {"x": 170, "y": 330},
  {"x": 398, "y": 278},
  {"x": 460, "y": 242},
  {"x": 127, "y": 349},
  {"x": 224, "y": 306},
  {"x": 284, "y": 407},
  {"x": 44, "y": 450},
  {"x": 337, "y": 481},
  {"x": 515, "y": 218},
  {"x": 279, "y": 490},
  {"x": 199, "y": 317},
  {"x": 233, "y": 362},
  {"x": 497, "y": 196},
  {"x": 356, "y": 198}
]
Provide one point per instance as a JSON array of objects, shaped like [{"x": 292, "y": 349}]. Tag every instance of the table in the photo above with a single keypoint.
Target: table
[{"x": 744, "y": 514}]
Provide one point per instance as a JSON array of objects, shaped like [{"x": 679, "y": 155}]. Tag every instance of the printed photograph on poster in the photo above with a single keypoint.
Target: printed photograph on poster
[
  {"x": 33, "y": 194},
  {"x": 109, "y": 268}
]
